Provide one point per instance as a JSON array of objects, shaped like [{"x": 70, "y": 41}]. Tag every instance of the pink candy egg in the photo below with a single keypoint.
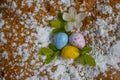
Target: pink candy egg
[{"x": 77, "y": 40}]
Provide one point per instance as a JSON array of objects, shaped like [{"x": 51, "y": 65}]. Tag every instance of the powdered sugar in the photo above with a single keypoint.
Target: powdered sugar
[
  {"x": 13, "y": 44},
  {"x": 105, "y": 9},
  {"x": 13, "y": 6},
  {"x": 66, "y": 2},
  {"x": 32, "y": 62},
  {"x": 2, "y": 22},
  {"x": 2, "y": 38},
  {"x": 117, "y": 5},
  {"x": 18, "y": 11},
  {"x": 5, "y": 55},
  {"x": 115, "y": 49}
]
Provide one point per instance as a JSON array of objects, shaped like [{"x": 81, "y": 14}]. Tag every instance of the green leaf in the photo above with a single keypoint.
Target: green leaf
[
  {"x": 56, "y": 53},
  {"x": 90, "y": 60},
  {"x": 52, "y": 46},
  {"x": 82, "y": 60},
  {"x": 56, "y": 23},
  {"x": 59, "y": 16},
  {"x": 59, "y": 24},
  {"x": 51, "y": 58},
  {"x": 57, "y": 30},
  {"x": 46, "y": 51},
  {"x": 69, "y": 33},
  {"x": 86, "y": 50}
]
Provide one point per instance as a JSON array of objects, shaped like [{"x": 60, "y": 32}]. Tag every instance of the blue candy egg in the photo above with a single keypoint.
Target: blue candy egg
[{"x": 60, "y": 40}]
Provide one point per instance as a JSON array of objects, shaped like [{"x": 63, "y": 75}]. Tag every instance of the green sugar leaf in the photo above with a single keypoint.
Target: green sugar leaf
[
  {"x": 86, "y": 50},
  {"x": 82, "y": 60},
  {"x": 56, "y": 23},
  {"x": 52, "y": 46},
  {"x": 90, "y": 60},
  {"x": 46, "y": 51},
  {"x": 52, "y": 57}
]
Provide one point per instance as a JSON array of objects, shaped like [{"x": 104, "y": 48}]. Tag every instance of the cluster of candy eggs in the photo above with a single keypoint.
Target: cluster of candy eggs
[{"x": 69, "y": 51}]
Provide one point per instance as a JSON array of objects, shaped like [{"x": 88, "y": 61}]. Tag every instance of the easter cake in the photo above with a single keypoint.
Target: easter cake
[{"x": 59, "y": 40}]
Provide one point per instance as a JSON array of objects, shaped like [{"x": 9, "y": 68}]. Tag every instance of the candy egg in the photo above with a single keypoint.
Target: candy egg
[
  {"x": 70, "y": 52},
  {"x": 60, "y": 40},
  {"x": 77, "y": 40}
]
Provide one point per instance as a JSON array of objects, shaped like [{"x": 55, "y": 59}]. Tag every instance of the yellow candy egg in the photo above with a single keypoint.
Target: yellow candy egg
[{"x": 70, "y": 52}]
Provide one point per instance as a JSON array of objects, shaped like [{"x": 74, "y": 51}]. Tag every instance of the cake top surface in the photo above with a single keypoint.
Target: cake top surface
[{"x": 24, "y": 29}]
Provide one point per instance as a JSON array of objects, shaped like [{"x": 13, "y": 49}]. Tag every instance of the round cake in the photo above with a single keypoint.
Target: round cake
[{"x": 27, "y": 26}]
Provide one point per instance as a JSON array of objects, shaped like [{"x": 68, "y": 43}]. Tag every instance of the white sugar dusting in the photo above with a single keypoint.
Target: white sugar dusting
[
  {"x": 13, "y": 6},
  {"x": 117, "y": 5},
  {"x": 67, "y": 2},
  {"x": 5, "y": 55},
  {"x": 18, "y": 11},
  {"x": 2, "y": 38},
  {"x": 105, "y": 9},
  {"x": 2, "y": 22},
  {"x": 29, "y": 3},
  {"x": 115, "y": 49},
  {"x": 32, "y": 62},
  {"x": 13, "y": 44}
]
